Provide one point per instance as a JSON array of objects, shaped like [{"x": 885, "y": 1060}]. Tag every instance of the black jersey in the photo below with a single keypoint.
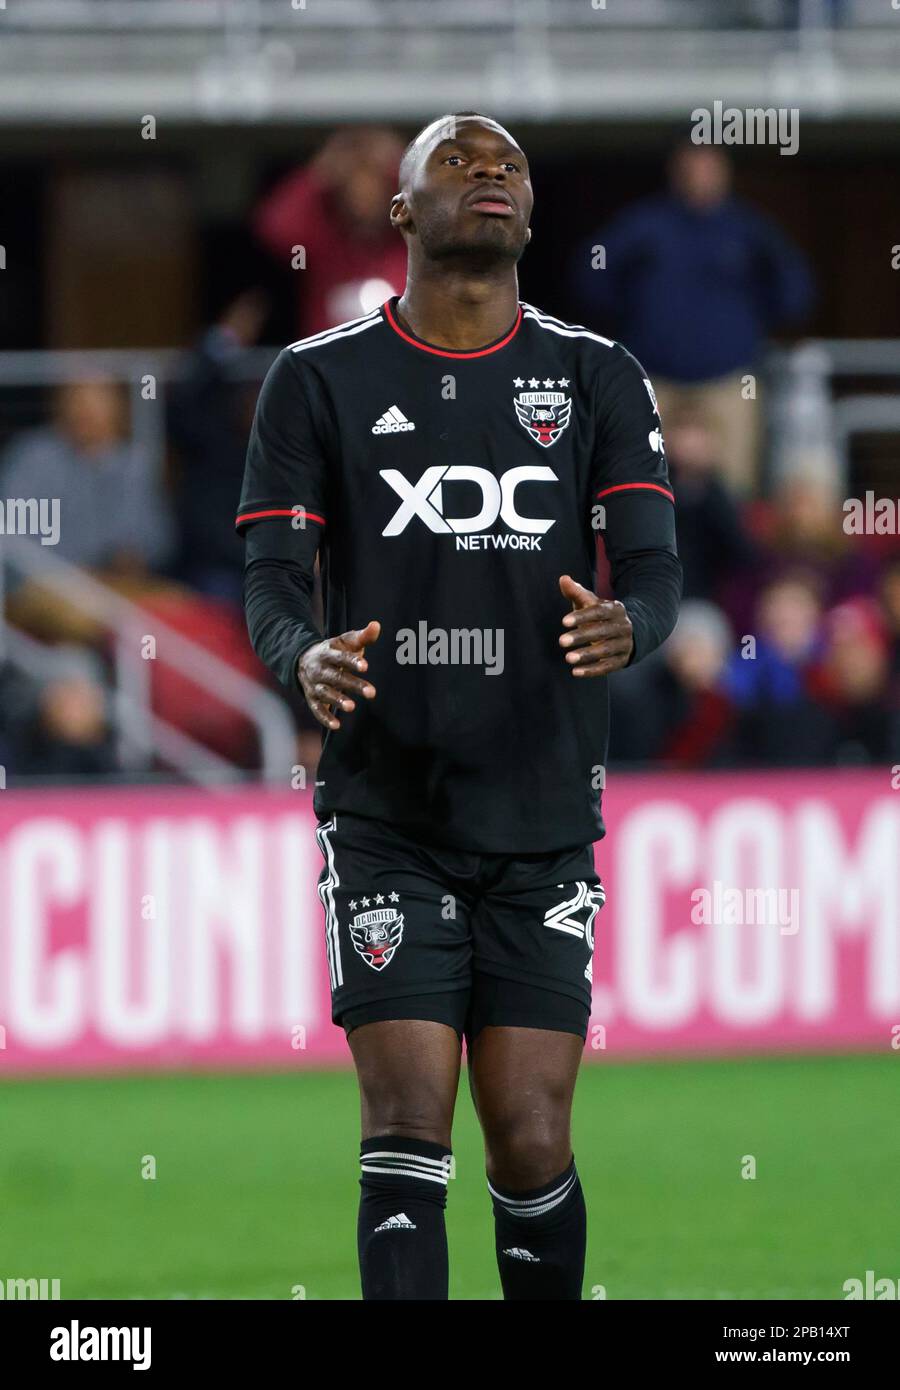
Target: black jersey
[{"x": 445, "y": 494}]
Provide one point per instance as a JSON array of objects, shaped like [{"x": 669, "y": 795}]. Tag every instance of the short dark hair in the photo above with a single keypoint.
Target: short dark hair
[{"x": 449, "y": 116}]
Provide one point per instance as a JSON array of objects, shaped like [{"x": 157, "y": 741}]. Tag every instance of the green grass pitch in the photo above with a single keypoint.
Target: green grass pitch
[{"x": 255, "y": 1188}]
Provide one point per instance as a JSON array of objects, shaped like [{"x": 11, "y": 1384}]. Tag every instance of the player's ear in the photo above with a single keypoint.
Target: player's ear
[
  {"x": 400, "y": 214},
  {"x": 527, "y": 235}
]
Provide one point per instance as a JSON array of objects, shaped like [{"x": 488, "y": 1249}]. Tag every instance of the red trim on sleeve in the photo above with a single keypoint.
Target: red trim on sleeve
[
  {"x": 280, "y": 511},
  {"x": 625, "y": 487},
  {"x": 443, "y": 352}
]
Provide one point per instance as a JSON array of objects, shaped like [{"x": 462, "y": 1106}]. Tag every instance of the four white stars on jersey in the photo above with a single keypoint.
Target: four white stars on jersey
[
  {"x": 534, "y": 383},
  {"x": 379, "y": 898}
]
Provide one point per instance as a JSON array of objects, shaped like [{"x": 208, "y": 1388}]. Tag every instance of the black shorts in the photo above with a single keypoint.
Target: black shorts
[{"x": 471, "y": 940}]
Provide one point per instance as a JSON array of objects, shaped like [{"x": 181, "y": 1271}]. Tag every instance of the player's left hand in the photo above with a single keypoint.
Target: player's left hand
[{"x": 598, "y": 637}]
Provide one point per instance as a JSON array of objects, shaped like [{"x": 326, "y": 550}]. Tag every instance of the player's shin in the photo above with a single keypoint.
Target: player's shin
[
  {"x": 540, "y": 1239},
  {"x": 401, "y": 1235}
]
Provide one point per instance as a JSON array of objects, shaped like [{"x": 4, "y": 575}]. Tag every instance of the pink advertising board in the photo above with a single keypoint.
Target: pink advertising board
[{"x": 155, "y": 929}]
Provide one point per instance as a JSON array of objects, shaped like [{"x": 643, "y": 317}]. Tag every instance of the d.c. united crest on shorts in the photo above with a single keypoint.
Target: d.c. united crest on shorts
[
  {"x": 543, "y": 413},
  {"x": 377, "y": 934}
]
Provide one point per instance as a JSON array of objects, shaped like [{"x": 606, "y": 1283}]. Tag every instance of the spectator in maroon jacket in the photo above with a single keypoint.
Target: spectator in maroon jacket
[
  {"x": 854, "y": 685},
  {"x": 803, "y": 528},
  {"x": 889, "y": 592},
  {"x": 810, "y": 531},
  {"x": 336, "y": 209},
  {"x": 701, "y": 712}
]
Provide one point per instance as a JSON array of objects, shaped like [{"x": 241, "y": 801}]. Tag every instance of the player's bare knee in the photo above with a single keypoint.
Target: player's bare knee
[
  {"x": 524, "y": 1155},
  {"x": 410, "y": 1127},
  {"x": 429, "y": 1118}
]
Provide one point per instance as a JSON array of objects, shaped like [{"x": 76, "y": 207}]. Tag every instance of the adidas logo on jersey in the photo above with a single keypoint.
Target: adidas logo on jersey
[
  {"x": 517, "y": 1253},
  {"x": 400, "y": 1222},
  {"x": 393, "y": 421}
]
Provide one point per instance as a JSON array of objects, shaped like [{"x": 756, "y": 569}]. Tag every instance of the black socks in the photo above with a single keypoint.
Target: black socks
[
  {"x": 401, "y": 1236},
  {"x": 540, "y": 1238},
  {"x": 540, "y": 1235}
]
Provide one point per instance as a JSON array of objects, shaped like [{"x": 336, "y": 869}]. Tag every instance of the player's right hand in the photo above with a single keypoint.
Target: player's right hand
[{"x": 327, "y": 673}]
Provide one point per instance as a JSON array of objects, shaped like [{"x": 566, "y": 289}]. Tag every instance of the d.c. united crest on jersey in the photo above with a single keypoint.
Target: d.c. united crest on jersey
[
  {"x": 543, "y": 413},
  {"x": 377, "y": 934}
]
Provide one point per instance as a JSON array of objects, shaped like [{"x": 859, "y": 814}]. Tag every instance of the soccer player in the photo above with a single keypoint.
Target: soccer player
[{"x": 451, "y": 458}]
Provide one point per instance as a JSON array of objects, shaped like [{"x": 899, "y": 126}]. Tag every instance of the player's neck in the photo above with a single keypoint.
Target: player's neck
[{"x": 458, "y": 309}]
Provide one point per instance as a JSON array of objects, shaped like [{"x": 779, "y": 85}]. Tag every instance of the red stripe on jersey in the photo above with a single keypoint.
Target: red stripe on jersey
[
  {"x": 442, "y": 352},
  {"x": 625, "y": 487},
  {"x": 292, "y": 511}
]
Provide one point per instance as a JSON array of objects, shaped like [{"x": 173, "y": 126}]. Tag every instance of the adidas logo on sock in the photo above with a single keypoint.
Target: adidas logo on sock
[
  {"x": 400, "y": 1222},
  {"x": 393, "y": 421},
  {"x": 518, "y": 1254}
]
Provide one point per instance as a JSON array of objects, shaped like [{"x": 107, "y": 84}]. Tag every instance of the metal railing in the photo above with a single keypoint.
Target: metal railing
[
  {"x": 134, "y": 369},
  {"x": 142, "y": 735},
  {"x": 253, "y": 61},
  {"x": 134, "y": 16},
  {"x": 813, "y": 370}
]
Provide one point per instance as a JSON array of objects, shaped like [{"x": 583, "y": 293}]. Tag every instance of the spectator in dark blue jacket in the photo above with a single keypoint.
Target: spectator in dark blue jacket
[
  {"x": 208, "y": 417},
  {"x": 694, "y": 281}
]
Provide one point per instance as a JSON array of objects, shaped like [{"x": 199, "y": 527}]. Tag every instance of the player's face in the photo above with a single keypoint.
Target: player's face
[{"x": 469, "y": 193}]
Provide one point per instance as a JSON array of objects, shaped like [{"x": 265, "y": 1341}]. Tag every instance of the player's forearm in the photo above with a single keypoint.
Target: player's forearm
[
  {"x": 649, "y": 584},
  {"x": 279, "y": 612}
]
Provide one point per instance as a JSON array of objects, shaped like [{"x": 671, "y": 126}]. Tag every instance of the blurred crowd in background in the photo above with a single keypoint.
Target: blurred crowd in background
[{"x": 787, "y": 653}]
